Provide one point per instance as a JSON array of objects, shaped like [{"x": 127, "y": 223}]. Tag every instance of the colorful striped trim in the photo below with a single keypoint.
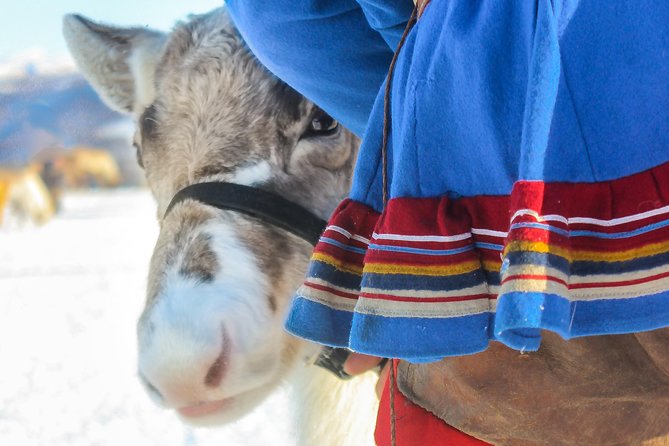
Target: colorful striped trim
[
  {"x": 596, "y": 265},
  {"x": 592, "y": 221}
]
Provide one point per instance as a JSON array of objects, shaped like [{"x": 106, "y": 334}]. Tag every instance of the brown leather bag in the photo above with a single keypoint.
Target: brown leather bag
[{"x": 601, "y": 390}]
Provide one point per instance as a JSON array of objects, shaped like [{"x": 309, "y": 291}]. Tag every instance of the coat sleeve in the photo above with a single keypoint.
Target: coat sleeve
[{"x": 336, "y": 53}]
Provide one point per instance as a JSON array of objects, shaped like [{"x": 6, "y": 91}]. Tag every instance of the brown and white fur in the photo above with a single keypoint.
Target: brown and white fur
[{"x": 211, "y": 343}]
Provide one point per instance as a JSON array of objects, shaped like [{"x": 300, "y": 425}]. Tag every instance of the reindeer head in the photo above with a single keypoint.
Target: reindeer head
[{"x": 211, "y": 343}]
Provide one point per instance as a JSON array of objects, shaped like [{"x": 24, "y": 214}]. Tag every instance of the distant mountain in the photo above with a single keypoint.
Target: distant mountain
[{"x": 59, "y": 110}]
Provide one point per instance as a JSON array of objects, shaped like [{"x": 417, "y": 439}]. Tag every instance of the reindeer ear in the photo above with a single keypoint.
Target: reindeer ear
[{"x": 120, "y": 63}]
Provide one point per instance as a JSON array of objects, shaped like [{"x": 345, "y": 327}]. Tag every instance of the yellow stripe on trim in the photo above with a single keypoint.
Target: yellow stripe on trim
[
  {"x": 490, "y": 266},
  {"x": 417, "y": 270},
  {"x": 336, "y": 263},
  {"x": 540, "y": 247},
  {"x": 591, "y": 256},
  {"x": 385, "y": 268}
]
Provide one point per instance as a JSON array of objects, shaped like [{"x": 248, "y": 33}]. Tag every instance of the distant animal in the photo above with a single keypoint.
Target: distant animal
[
  {"x": 90, "y": 167},
  {"x": 211, "y": 343},
  {"x": 81, "y": 167},
  {"x": 24, "y": 198}
]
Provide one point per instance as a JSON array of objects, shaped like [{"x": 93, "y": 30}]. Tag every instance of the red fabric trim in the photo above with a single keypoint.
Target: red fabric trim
[
  {"x": 316, "y": 286},
  {"x": 414, "y": 426},
  {"x": 633, "y": 194},
  {"x": 425, "y": 299},
  {"x": 356, "y": 218},
  {"x": 576, "y": 286}
]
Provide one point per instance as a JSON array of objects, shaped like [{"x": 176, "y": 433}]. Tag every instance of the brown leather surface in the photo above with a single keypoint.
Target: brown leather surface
[{"x": 603, "y": 390}]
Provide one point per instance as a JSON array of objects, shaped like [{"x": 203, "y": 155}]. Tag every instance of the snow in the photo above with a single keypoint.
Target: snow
[{"x": 70, "y": 294}]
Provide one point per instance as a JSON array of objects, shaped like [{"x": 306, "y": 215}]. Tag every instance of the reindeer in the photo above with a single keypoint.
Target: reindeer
[
  {"x": 24, "y": 198},
  {"x": 211, "y": 344},
  {"x": 83, "y": 167}
]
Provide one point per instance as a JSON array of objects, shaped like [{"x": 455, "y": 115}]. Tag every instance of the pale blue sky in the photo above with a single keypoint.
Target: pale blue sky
[{"x": 30, "y": 24}]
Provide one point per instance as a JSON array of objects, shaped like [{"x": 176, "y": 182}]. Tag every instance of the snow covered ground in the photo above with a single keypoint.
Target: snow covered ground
[{"x": 70, "y": 293}]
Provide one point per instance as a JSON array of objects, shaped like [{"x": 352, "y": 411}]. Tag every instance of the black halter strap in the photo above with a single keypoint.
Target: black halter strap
[
  {"x": 277, "y": 211},
  {"x": 266, "y": 206}
]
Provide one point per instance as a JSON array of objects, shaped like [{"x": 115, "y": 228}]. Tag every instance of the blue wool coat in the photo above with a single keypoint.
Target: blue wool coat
[{"x": 527, "y": 166}]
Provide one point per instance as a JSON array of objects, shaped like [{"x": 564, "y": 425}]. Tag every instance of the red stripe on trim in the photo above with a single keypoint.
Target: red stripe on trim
[
  {"x": 590, "y": 243},
  {"x": 339, "y": 253},
  {"x": 331, "y": 290},
  {"x": 424, "y": 244},
  {"x": 341, "y": 238},
  {"x": 411, "y": 259},
  {"x": 427, "y": 299},
  {"x": 621, "y": 283},
  {"x": 576, "y": 286}
]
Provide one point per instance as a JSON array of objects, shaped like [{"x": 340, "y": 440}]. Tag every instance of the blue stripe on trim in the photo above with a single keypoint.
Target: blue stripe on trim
[
  {"x": 491, "y": 277},
  {"x": 352, "y": 281},
  {"x": 341, "y": 245},
  {"x": 334, "y": 276},
  {"x": 520, "y": 316},
  {"x": 493, "y": 246},
  {"x": 540, "y": 259},
  {"x": 419, "y": 339},
  {"x": 619, "y": 235},
  {"x": 539, "y": 226},
  {"x": 582, "y": 268},
  {"x": 319, "y": 323},
  {"x": 595, "y": 234},
  {"x": 418, "y": 282},
  {"x": 423, "y": 251},
  {"x": 586, "y": 268}
]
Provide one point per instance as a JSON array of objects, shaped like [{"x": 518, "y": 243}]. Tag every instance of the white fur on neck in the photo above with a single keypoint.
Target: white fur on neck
[
  {"x": 333, "y": 412},
  {"x": 253, "y": 174}
]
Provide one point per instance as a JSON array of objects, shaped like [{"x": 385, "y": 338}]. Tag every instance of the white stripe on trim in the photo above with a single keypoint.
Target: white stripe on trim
[
  {"x": 471, "y": 291},
  {"x": 327, "y": 299},
  {"x": 604, "y": 291},
  {"x": 422, "y": 238},
  {"x": 489, "y": 232},
  {"x": 360, "y": 239},
  {"x": 552, "y": 217},
  {"x": 623, "y": 292},
  {"x": 524, "y": 285},
  {"x": 347, "y": 234},
  {"x": 592, "y": 221},
  {"x": 618, "y": 277},
  {"x": 391, "y": 308}
]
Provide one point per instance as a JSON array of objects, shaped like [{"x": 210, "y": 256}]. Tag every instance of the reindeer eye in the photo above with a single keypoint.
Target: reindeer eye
[
  {"x": 138, "y": 153},
  {"x": 321, "y": 124}
]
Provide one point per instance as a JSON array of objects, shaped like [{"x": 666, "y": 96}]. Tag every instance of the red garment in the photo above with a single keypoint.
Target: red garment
[{"x": 415, "y": 426}]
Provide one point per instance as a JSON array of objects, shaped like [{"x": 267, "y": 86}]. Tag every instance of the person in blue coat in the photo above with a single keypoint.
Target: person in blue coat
[{"x": 524, "y": 184}]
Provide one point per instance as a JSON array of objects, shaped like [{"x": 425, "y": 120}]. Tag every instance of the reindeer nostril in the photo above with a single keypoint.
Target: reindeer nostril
[
  {"x": 218, "y": 368},
  {"x": 272, "y": 303},
  {"x": 216, "y": 372}
]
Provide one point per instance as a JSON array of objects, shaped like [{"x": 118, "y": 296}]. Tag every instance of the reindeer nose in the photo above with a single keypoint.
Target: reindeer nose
[{"x": 181, "y": 368}]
